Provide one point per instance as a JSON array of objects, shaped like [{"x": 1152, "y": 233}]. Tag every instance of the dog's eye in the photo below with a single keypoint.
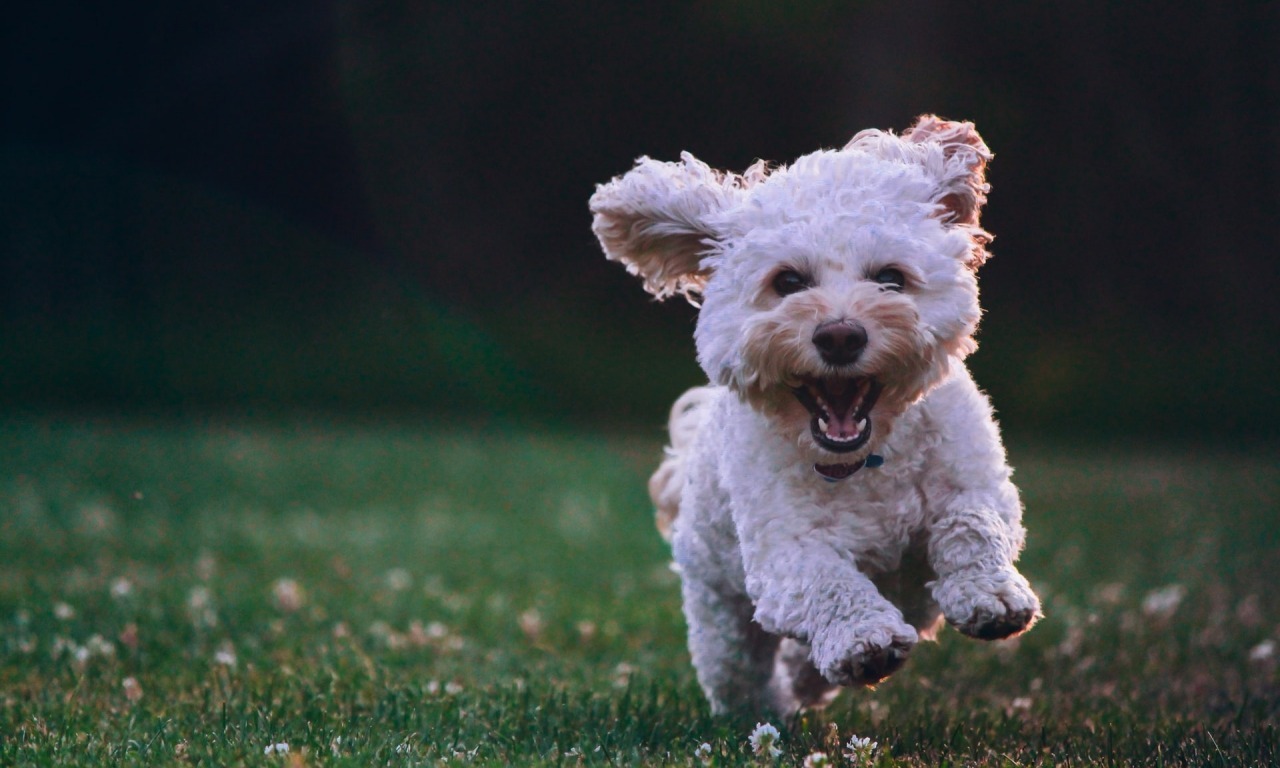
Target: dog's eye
[
  {"x": 788, "y": 282},
  {"x": 891, "y": 278}
]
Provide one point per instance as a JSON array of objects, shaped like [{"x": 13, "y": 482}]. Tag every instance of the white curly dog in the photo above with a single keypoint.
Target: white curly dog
[{"x": 841, "y": 485}]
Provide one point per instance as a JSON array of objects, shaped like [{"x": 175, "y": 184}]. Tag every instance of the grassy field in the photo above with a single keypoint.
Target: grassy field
[{"x": 375, "y": 594}]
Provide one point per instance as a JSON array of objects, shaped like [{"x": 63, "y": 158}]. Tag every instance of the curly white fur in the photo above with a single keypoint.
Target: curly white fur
[{"x": 794, "y": 584}]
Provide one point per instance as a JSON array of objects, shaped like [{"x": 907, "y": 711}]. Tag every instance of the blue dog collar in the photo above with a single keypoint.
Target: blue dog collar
[{"x": 834, "y": 473}]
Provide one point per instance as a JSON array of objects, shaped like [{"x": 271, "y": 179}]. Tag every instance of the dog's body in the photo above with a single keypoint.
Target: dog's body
[{"x": 841, "y": 487}]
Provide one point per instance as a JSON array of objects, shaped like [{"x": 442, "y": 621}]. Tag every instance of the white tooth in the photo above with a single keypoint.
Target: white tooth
[
  {"x": 822, "y": 424},
  {"x": 862, "y": 424}
]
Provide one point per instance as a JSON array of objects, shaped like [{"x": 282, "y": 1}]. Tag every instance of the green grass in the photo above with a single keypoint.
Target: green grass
[{"x": 375, "y": 594}]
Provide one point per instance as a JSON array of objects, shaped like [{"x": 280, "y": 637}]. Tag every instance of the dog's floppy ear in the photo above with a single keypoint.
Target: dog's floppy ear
[
  {"x": 962, "y": 179},
  {"x": 655, "y": 220}
]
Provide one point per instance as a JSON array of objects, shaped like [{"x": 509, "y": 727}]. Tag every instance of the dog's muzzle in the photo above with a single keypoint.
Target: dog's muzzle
[{"x": 840, "y": 408}]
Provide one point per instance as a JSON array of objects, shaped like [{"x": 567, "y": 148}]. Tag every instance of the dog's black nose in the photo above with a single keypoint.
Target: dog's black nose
[{"x": 840, "y": 342}]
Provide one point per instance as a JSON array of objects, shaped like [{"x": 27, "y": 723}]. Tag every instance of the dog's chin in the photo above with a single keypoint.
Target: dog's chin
[{"x": 840, "y": 412}]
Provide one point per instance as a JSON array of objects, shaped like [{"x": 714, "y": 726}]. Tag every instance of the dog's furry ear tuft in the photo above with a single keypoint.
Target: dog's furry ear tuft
[
  {"x": 655, "y": 220},
  {"x": 963, "y": 185}
]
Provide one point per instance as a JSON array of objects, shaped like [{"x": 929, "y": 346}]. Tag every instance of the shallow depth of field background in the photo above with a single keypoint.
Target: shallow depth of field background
[{"x": 321, "y": 410}]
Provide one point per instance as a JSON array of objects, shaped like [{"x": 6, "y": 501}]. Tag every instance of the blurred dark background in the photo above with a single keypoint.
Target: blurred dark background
[{"x": 381, "y": 207}]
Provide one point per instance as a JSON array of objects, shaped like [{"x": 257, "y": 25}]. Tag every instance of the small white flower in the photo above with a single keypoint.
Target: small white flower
[
  {"x": 859, "y": 750},
  {"x": 226, "y": 656},
  {"x": 288, "y": 595},
  {"x": 97, "y": 645},
  {"x": 63, "y": 612},
  {"x": 531, "y": 623},
  {"x": 121, "y": 588},
  {"x": 622, "y": 674},
  {"x": 199, "y": 598},
  {"x": 764, "y": 739},
  {"x": 1262, "y": 651},
  {"x": 398, "y": 579},
  {"x": 703, "y": 753},
  {"x": 1163, "y": 603},
  {"x": 281, "y": 748},
  {"x": 817, "y": 760},
  {"x": 200, "y": 607},
  {"x": 132, "y": 688}
]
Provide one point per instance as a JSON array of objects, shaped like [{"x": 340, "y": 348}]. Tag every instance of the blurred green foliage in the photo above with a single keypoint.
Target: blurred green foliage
[{"x": 387, "y": 592}]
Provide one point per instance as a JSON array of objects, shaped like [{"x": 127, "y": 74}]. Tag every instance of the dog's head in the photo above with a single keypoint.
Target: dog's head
[{"x": 835, "y": 291}]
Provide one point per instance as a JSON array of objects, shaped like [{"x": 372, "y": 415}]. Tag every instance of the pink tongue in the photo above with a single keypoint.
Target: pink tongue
[{"x": 842, "y": 426}]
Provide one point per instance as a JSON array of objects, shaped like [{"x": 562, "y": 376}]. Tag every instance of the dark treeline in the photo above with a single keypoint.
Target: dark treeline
[{"x": 354, "y": 205}]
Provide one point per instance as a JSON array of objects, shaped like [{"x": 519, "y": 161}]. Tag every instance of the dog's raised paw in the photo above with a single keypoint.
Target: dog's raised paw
[
  {"x": 985, "y": 625},
  {"x": 988, "y": 605}
]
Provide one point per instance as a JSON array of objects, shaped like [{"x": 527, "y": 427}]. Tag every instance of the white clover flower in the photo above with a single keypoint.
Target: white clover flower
[
  {"x": 764, "y": 740},
  {"x": 199, "y": 598},
  {"x": 531, "y": 623},
  {"x": 703, "y": 753},
  {"x": 398, "y": 579},
  {"x": 226, "y": 656},
  {"x": 132, "y": 688},
  {"x": 200, "y": 607},
  {"x": 63, "y": 612},
  {"x": 1163, "y": 603},
  {"x": 817, "y": 760},
  {"x": 859, "y": 750},
  {"x": 280, "y": 748},
  {"x": 121, "y": 588},
  {"x": 1263, "y": 651},
  {"x": 97, "y": 645},
  {"x": 288, "y": 595}
]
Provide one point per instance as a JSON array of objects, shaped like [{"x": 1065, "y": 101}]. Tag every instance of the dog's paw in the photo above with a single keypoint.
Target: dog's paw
[
  {"x": 988, "y": 604},
  {"x": 864, "y": 655}
]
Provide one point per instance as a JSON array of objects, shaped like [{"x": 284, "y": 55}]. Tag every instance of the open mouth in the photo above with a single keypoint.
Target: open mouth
[{"x": 841, "y": 408}]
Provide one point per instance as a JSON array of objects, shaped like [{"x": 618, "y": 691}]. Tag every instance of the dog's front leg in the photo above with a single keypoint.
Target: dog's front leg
[
  {"x": 806, "y": 585},
  {"x": 972, "y": 549}
]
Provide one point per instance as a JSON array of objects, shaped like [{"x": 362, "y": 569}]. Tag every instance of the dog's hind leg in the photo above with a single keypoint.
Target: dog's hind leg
[
  {"x": 797, "y": 683},
  {"x": 667, "y": 483},
  {"x": 734, "y": 657}
]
